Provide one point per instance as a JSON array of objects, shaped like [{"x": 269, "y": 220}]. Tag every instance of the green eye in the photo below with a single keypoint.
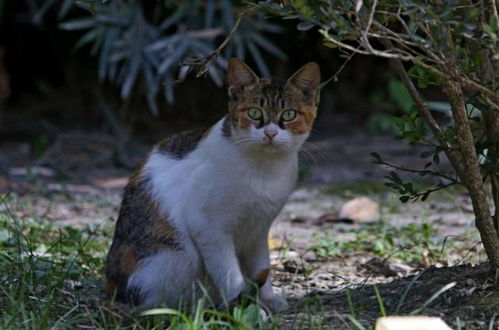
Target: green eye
[
  {"x": 288, "y": 115},
  {"x": 255, "y": 113}
]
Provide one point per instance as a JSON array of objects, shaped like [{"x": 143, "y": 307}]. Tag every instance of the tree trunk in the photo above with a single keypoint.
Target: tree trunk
[
  {"x": 474, "y": 180},
  {"x": 491, "y": 117}
]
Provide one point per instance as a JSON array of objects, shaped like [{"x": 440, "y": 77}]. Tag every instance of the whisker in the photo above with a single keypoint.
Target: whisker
[
  {"x": 310, "y": 156},
  {"x": 313, "y": 149}
]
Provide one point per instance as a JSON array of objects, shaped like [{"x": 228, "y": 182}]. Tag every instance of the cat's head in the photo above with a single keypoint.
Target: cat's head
[{"x": 270, "y": 114}]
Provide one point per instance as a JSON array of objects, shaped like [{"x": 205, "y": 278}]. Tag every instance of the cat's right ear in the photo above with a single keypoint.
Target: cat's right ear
[{"x": 239, "y": 75}]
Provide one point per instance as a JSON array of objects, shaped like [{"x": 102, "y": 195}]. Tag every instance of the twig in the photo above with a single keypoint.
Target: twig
[
  {"x": 365, "y": 33},
  {"x": 403, "y": 56},
  {"x": 424, "y": 112},
  {"x": 336, "y": 74},
  {"x": 205, "y": 33},
  {"x": 204, "y": 61},
  {"x": 412, "y": 170},
  {"x": 374, "y": 52}
]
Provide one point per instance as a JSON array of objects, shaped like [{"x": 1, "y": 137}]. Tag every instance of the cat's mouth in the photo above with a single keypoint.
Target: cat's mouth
[{"x": 272, "y": 146}]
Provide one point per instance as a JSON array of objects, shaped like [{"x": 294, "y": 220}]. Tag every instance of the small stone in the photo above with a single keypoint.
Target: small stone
[
  {"x": 400, "y": 268},
  {"x": 292, "y": 266},
  {"x": 378, "y": 267},
  {"x": 292, "y": 254},
  {"x": 411, "y": 323},
  {"x": 113, "y": 183},
  {"x": 298, "y": 220},
  {"x": 361, "y": 209}
]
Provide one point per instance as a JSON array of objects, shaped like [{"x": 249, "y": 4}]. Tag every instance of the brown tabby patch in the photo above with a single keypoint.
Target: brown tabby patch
[
  {"x": 141, "y": 231},
  {"x": 304, "y": 120},
  {"x": 182, "y": 144},
  {"x": 241, "y": 118}
]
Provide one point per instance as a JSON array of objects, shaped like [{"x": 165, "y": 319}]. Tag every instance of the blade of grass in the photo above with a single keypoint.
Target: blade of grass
[
  {"x": 406, "y": 291},
  {"x": 432, "y": 298},
  {"x": 492, "y": 322},
  {"x": 380, "y": 301},
  {"x": 356, "y": 323},
  {"x": 350, "y": 303}
]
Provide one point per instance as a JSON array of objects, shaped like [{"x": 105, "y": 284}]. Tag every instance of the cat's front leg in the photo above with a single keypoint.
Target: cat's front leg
[
  {"x": 255, "y": 261},
  {"x": 218, "y": 252}
]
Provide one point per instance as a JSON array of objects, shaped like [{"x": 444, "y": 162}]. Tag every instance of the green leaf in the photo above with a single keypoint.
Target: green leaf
[
  {"x": 399, "y": 93},
  {"x": 304, "y": 26}
]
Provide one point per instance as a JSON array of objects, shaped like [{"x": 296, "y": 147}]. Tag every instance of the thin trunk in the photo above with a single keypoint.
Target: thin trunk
[
  {"x": 491, "y": 117},
  {"x": 474, "y": 179},
  {"x": 454, "y": 158}
]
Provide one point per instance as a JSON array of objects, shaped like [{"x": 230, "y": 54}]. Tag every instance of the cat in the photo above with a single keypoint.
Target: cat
[{"x": 198, "y": 211}]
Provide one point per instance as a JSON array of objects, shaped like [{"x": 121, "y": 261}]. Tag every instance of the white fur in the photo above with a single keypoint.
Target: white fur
[{"x": 222, "y": 199}]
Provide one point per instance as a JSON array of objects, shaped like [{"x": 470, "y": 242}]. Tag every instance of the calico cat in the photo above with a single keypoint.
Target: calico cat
[{"x": 198, "y": 212}]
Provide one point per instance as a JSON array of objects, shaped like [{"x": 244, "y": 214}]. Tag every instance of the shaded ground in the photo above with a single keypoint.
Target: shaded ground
[
  {"x": 472, "y": 302},
  {"x": 328, "y": 269}
]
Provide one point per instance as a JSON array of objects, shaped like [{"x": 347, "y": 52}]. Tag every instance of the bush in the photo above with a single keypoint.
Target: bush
[{"x": 448, "y": 44}]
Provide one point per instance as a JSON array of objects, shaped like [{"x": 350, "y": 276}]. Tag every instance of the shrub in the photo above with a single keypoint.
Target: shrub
[{"x": 449, "y": 44}]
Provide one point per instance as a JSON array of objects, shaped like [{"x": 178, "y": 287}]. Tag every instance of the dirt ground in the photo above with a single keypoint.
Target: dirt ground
[{"x": 329, "y": 268}]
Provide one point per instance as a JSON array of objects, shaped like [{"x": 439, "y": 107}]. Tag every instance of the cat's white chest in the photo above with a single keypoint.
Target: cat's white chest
[
  {"x": 220, "y": 185},
  {"x": 244, "y": 194}
]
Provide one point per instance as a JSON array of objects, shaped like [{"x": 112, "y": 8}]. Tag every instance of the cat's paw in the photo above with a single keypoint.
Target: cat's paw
[{"x": 274, "y": 303}]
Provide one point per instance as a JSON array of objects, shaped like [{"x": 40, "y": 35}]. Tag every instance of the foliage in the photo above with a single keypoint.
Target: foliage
[
  {"x": 450, "y": 44},
  {"x": 149, "y": 47},
  {"x": 398, "y": 98}
]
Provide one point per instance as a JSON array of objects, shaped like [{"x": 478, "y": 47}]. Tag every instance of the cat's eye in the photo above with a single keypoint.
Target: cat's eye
[
  {"x": 288, "y": 115},
  {"x": 255, "y": 113}
]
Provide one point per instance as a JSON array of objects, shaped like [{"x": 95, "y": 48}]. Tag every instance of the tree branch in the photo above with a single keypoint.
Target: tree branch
[
  {"x": 465, "y": 81},
  {"x": 453, "y": 156}
]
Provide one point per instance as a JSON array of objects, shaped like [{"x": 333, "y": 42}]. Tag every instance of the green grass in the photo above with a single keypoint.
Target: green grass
[
  {"x": 51, "y": 277},
  {"x": 379, "y": 239},
  {"x": 356, "y": 188},
  {"x": 411, "y": 243}
]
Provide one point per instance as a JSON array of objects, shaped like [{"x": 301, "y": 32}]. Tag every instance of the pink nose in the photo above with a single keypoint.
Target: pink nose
[{"x": 270, "y": 132}]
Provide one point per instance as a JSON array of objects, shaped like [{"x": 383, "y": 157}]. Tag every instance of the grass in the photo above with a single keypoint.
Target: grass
[
  {"x": 414, "y": 242},
  {"x": 411, "y": 243},
  {"x": 356, "y": 188},
  {"x": 381, "y": 305},
  {"x": 51, "y": 277}
]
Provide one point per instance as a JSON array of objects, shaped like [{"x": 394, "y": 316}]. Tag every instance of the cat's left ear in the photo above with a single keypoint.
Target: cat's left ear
[
  {"x": 239, "y": 75},
  {"x": 307, "y": 79}
]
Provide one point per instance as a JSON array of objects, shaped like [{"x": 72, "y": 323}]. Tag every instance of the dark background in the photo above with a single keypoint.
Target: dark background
[{"x": 53, "y": 104}]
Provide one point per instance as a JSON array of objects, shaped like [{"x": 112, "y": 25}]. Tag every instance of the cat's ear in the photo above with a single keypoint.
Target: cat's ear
[
  {"x": 239, "y": 75},
  {"x": 307, "y": 79}
]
